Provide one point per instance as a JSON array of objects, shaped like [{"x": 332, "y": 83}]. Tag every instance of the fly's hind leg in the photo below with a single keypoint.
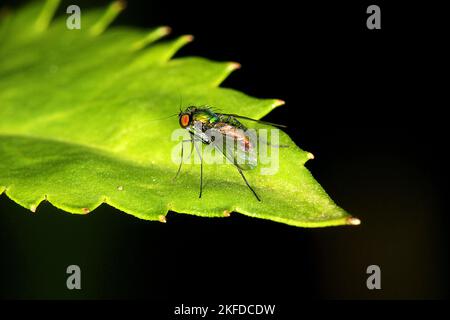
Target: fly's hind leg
[{"x": 246, "y": 182}]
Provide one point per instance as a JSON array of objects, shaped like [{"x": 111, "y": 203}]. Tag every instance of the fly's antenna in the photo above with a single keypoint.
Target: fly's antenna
[
  {"x": 181, "y": 101},
  {"x": 173, "y": 115},
  {"x": 145, "y": 124}
]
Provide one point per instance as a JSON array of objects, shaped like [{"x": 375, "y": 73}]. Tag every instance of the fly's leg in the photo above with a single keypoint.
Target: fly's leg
[
  {"x": 248, "y": 185},
  {"x": 181, "y": 155},
  {"x": 192, "y": 148},
  {"x": 192, "y": 141},
  {"x": 201, "y": 166}
]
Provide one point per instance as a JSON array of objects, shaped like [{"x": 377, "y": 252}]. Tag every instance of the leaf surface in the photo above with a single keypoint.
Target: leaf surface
[{"x": 85, "y": 120}]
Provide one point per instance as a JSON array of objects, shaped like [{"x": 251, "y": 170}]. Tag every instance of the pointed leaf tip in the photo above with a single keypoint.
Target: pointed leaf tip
[
  {"x": 278, "y": 103},
  {"x": 234, "y": 66},
  {"x": 188, "y": 38},
  {"x": 108, "y": 17},
  {"x": 151, "y": 37},
  {"x": 120, "y": 4},
  {"x": 353, "y": 221},
  {"x": 165, "y": 30},
  {"x": 46, "y": 15}
]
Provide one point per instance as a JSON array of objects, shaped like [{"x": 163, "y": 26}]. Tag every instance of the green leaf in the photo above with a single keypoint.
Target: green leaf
[{"x": 85, "y": 120}]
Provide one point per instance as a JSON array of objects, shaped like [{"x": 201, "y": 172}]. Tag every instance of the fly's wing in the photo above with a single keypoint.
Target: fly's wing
[
  {"x": 238, "y": 146},
  {"x": 254, "y": 120},
  {"x": 233, "y": 120}
]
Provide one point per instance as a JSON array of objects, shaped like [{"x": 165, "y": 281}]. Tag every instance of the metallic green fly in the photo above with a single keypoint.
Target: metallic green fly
[{"x": 213, "y": 128}]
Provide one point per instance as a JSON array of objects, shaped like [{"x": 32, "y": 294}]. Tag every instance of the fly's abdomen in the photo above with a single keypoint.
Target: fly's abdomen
[{"x": 242, "y": 150}]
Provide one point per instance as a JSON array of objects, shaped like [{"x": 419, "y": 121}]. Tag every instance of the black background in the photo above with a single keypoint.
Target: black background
[{"x": 366, "y": 103}]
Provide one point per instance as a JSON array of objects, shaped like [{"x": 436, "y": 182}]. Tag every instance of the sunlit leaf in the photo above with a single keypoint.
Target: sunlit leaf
[{"x": 85, "y": 120}]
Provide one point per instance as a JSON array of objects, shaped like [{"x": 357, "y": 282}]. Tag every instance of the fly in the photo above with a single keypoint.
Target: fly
[{"x": 205, "y": 125}]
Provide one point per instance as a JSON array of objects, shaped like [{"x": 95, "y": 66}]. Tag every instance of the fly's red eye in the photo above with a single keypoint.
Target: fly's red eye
[{"x": 184, "y": 121}]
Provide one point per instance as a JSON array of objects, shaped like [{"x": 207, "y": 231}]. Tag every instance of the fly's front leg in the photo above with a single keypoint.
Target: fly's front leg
[
  {"x": 182, "y": 152},
  {"x": 201, "y": 165}
]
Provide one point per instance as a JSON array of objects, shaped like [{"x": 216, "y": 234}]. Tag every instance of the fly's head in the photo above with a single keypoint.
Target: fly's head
[{"x": 186, "y": 117}]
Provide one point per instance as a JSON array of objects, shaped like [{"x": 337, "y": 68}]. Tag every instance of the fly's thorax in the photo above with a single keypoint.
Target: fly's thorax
[{"x": 204, "y": 115}]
